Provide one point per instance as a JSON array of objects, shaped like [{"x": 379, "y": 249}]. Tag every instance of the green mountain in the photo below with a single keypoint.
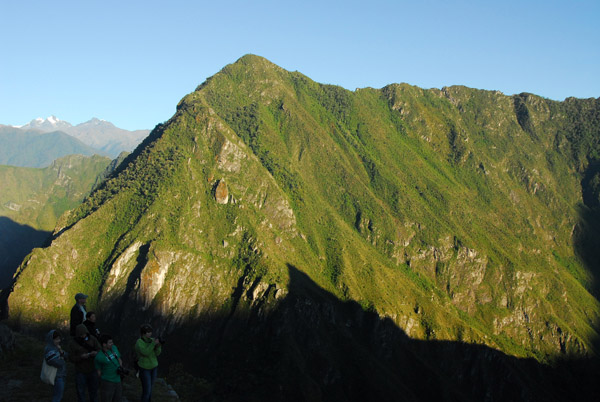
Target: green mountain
[
  {"x": 32, "y": 200},
  {"x": 307, "y": 242},
  {"x": 33, "y": 148}
]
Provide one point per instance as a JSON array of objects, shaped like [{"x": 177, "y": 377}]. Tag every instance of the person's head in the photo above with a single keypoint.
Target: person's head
[
  {"x": 56, "y": 338},
  {"x": 81, "y": 298},
  {"x": 91, "y": 316},
  {"x": 81, "y": 331},
  {"x": 106, "y": 341},
  {"x": 146, "y": 330}
]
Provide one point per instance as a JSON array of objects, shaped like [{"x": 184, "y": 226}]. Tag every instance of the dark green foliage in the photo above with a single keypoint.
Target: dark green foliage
[{"x": 449, "y": 200}]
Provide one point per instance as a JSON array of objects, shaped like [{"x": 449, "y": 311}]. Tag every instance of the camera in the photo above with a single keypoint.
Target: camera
[{"x": 122, "y": 371}]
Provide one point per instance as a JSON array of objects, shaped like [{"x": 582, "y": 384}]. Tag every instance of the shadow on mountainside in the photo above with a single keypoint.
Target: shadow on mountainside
[
  {"x": 586, "y": 234},
  {"x": 586, "y": 237},
  {"x": 314, "y": 347},
  {"x": 16, "y": 241}
]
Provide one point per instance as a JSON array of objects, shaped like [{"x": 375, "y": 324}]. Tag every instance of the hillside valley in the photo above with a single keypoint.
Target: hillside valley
[
  {"x": 32, "y": 200},
  {"x": 305, "y": 242}
]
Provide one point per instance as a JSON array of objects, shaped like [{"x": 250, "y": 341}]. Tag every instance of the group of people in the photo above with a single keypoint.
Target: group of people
[{"x": 98, "y": 364}]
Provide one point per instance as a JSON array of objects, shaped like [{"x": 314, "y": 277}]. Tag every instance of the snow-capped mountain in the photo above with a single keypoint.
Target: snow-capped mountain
[
  {"x": 51, "y": 123},
  {"x": 97, "y": 133}
]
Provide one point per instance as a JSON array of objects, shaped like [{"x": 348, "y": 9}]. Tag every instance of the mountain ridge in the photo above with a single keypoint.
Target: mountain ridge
[
  {"x": 449, "y": 212},
  {"x": 96, "y": 133},
  {"x": 35, "y": 149}
]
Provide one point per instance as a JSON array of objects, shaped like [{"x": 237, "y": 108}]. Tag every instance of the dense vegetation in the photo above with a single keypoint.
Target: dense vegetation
[
  {"x": 32, "y": 200},
  {"x": 455, "y": 214}
]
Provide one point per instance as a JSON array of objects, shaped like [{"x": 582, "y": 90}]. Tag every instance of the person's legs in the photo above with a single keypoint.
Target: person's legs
[
  {"x": 146, "y": 379},
  {"x": 107, "y": 391},
  {"x": 153, "y": 373},
  {"x": 80, "y": 385},
  {"x": 59, "y": 389},
  {"x": 118, "y": 396},
  {"x": 92, "y": 383}
]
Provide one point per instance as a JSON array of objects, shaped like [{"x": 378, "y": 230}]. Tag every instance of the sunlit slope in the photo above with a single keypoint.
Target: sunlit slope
[{"x": 454, "y": 212}]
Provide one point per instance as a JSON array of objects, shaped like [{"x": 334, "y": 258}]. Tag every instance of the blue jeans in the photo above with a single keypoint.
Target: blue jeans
[
  {"x": 89, "y": 381},
  {"x": 147, "y": 377},
  {"x": 59, "y": 389}
]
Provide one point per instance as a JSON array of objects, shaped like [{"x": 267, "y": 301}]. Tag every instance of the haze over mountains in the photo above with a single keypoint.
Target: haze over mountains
[
  {"x": 305, "y": 242},
  {"x": 33, "y": 148},
  {"x": 100, "y": 135}
]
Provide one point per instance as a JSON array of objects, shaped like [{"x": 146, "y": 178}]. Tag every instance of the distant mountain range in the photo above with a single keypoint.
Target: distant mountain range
[
  {"x": 98, "y": 134},
  {"x": 33, "y": 148}
]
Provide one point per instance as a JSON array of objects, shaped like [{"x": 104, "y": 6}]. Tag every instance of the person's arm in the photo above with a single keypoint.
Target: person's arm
[
  {"x": 76, "y": 315},
  {"x": 77, "y": 354},
  {"x": 54, "y": 359},
  {"x": 84, "y": 356},
  {"x": 145, "y": 348},
  {"x": 118, "y": 354},
  {"x": 97, "y": 365}
]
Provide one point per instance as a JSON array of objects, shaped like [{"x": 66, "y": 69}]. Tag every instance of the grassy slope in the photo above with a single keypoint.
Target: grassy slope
[
  {"x": 39, "y": 196},
  {"x": 449, "y": 211},
  {"x": 32, "y": 200}
]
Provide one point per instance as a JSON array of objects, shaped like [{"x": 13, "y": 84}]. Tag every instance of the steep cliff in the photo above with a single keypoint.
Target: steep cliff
[{"x": 453, "y": 215}]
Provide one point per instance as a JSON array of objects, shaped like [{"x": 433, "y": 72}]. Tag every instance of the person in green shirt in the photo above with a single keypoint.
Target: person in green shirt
[
  {"x": 107, "y": 361},
  {"x": 147, "y": 349}
]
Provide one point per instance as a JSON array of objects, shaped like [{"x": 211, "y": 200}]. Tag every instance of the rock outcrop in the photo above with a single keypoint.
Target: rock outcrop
[{"x": 376, "y": 203}]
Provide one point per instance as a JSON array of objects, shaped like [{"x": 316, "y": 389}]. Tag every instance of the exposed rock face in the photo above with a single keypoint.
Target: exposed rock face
[
  {"x": 326, "y": 195},
  {"x": 221, "y": 193}
]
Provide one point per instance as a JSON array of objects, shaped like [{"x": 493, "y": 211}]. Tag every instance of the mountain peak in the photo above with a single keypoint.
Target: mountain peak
[
  {"x": 94, "y": 121},
  {"x": 250, "y": 58},
  {"x": 49, "y": 124},
  {"x": 449, "y": 215},
  {"x": 250, "y": 64},
  {"x": 248, "y": 74}
]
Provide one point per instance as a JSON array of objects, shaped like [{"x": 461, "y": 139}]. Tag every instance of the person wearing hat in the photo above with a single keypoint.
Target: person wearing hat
[
  {"x": 78, "y": 312},
  {"x": 147, "y": 349},
  {"x": 82, "y": 352}
]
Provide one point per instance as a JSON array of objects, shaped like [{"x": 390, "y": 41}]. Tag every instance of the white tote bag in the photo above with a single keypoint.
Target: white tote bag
[{"x": 48, "y": 373}]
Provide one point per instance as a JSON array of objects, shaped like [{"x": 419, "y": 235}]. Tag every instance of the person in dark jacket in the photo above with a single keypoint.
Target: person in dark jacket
[
  {"x": 56, "y": 357},
  {"x": 82, "y": 352},
  {"x": 78, "y": 312},
  {"x": 90, "y": 323},
  {"x": 147, "y": 349}
]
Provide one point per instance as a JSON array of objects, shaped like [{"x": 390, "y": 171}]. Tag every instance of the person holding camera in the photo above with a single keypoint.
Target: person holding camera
[
  {"x": 110, "y": 369},
  {"x": 147, "y": 349},
  {"x": 83, "y": 350}
]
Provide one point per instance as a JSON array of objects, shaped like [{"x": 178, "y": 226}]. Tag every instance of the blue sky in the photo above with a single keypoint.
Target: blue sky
[{"x": 130, "y": 62}]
